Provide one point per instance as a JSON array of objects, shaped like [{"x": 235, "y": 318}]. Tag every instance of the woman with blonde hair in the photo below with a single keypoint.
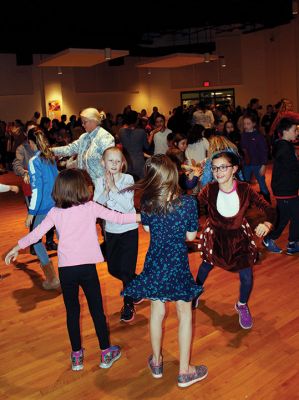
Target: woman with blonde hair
[{"x": 90, "y": 146}]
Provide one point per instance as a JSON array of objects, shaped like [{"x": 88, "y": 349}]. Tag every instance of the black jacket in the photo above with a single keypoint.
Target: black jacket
[{"x": 285, "y": 175}]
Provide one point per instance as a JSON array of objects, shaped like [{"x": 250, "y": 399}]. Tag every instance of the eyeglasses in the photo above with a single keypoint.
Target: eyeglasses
[{"x": 222, "y": 168}]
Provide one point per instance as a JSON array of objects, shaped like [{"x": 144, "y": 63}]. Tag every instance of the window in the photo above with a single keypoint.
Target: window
[{"x": 216, "y": 97}]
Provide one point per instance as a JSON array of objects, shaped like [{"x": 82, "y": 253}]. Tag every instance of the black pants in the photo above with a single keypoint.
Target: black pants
[
  {"x": 122, "y": 250},
  {"x": 287, "y": 210},
  {"x": 85, "y": 276}
]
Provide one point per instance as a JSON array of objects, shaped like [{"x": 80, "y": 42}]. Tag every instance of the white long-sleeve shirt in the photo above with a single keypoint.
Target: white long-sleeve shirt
[
  {"x": 4, "y": 188},
  {"x": 123, "y": 202}
]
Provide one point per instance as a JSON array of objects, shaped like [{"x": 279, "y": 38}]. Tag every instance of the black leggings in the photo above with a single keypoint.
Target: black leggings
[
  {"x": 85, "y": 276},
  {"x": 122, "y": 249}
]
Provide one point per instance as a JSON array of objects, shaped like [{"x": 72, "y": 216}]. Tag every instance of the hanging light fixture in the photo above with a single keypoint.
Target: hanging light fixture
[
  {"x": 222, "y": 62},
  {"x": 59, "y": 71},
  {"x": 294, "y": 7},
  {"x": 207, "y": 57},
  {"x": 107, "y": 53}
]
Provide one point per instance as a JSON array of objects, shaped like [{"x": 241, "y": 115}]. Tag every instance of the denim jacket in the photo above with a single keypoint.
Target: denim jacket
[{"x": 90, "y": 148}]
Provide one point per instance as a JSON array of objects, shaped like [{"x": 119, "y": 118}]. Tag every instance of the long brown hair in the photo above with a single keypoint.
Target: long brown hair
[
  {"x": 160, "y": 187},
  {"x": 37, "y": 136}
]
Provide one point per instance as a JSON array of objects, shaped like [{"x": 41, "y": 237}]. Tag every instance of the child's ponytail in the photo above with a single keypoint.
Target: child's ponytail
[{"x": 37, "y": 136}]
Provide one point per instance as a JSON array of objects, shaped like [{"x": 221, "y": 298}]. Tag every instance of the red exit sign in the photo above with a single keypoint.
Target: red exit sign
[{"x": 206, "y": 83}]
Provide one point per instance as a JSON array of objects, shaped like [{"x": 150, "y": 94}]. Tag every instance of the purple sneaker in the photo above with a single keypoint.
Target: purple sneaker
[
  {"x": 156, "y": 370},
  {"x": 77, "y": 358},
  {"x": 245, "y": 319},
  {"x": 109, "y": 355},
  {"x": 185, "y": 380}
]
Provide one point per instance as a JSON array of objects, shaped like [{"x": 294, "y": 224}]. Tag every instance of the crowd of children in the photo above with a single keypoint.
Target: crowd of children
[{"x": 171, "y": 216}]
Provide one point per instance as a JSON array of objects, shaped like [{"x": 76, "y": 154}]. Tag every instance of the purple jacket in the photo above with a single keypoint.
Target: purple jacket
[{"x": 255, "y": 148}]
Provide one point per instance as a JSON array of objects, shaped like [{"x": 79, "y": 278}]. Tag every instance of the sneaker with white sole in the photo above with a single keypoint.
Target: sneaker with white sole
[
  {"x": 109, "y": 356},
  {"x": 185, "y": 380},
  {"x": 77, "y": 358},
  {"x": 271, "y": 245},
  {"x": 156, "y": 370},
  {"x": 245, "y": 319}
]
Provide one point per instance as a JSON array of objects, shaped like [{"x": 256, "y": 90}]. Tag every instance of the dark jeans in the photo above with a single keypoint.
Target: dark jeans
[
  {"x": 246, "y": 279},
  {"x": 85, "y": 276},
  {"x": 287, "y": 210},
  {"x": 255, "y": 169},
  {"x": 122, "y": 250}
]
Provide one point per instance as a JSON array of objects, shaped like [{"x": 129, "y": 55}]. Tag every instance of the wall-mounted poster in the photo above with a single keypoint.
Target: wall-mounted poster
[{"x": 54, "y": 109}]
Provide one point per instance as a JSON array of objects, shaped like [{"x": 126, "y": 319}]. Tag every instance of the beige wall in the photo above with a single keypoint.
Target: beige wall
[{"x": 263, "y": 64}]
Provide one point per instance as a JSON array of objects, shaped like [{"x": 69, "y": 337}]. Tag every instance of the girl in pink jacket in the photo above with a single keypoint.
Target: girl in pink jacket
[{"x": 74, "y": 217}]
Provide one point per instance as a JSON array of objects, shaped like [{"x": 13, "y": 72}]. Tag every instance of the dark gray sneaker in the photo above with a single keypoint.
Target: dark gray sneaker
[
  {"x": 156, "y": 370},
  {"x": 127, "y": 313},
  {"x": 185, "y": 380}
]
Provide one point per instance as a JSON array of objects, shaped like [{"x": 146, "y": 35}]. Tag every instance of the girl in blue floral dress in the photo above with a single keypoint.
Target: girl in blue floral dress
[{"x": 171, "y": 219}]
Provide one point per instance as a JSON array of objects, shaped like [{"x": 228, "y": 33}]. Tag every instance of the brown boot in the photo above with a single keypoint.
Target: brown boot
[{"x": 51, "y": 282}]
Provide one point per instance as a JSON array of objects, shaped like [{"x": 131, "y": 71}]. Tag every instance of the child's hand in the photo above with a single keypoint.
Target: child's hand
[
  {"x": 110, "y": 184},
  {"x": 26, "y": 178},
  {"x": 198, "y": 171},
  {"x": 12, "y": 255},
  {"x": 29, "y": 220},
  {"x": 14, "y": 188},
  {"x": 262, "y": 230}
]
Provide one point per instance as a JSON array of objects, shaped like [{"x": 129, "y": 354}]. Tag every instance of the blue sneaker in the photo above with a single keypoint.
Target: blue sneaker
[
  {"x": 292, "y": 248},
  {"x": 271, "y": 245}
]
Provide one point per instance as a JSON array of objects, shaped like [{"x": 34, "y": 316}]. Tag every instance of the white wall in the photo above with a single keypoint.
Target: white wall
[{"x": 263, "y": 64}]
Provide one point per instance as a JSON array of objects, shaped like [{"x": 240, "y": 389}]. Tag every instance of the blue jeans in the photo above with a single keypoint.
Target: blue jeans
[
  {"x": 246, "y": 279},
  {"x": 39, "y": 247},
  {"x": 248, "y": 170}
]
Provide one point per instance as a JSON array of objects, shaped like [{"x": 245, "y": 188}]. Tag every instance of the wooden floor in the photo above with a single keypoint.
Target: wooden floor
[{"x": 259, "y": 364}]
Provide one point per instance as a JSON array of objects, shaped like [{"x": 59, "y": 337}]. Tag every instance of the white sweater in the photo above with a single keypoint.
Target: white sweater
[{"x": 122, "y": 202}]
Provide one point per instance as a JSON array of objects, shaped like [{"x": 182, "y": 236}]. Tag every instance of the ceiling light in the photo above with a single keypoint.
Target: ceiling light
[
  {"x": 207, "y": 57},
  {"x": 59, "y": 71},
  {"x": 222, "y": 62},
  {"x": 107, "y": 52}
]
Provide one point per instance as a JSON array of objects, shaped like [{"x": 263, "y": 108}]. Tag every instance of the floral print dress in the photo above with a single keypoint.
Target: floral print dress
[{"x": 166, "y": 275}]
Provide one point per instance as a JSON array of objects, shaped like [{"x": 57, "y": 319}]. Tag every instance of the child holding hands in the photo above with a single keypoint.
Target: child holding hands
[{"x": 74, "y": 216}]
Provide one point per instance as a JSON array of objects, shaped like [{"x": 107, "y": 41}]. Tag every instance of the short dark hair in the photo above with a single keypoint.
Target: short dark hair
[
  {"x": 70, "y": 188},
  {"x": 285, "y": 124}
]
